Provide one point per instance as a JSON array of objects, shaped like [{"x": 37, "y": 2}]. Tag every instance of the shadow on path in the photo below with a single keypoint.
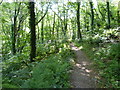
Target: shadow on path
[{"x": 82, "y": 75}]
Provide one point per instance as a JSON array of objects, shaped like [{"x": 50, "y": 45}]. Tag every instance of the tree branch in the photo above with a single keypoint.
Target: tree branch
[
  {"x": 42, "y": 16},
  {"x": 18, "y": 9},
  {"x": 57, "y": 15}
]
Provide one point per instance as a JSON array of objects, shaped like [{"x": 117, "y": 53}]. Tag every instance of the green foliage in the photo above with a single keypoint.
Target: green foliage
[
  {"x": 115, "y": 51},
  {"x": 50, "y": 73},
  {"x": 9, "y": 86},
  {"x": 52, "y": 61},
  {"x": 15, "y": 69}
]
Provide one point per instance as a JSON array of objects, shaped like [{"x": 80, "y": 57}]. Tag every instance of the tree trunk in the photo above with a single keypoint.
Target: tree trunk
[
  {"x": 50, "y": 29},
  {"x": 58, "y": 26},
  {"x": 73, "y": 23},
  {"x": 14, "y": 31},
  {"x": 87, "y": 19},
  {"x": 38, "y": 31},
  {"x": 64, "y": 23},
  {"x": 42, "y": 27},
  {"x": 108, "y": 12},
  {"x": 58, "y": 29},
  {"x": 118, "y": 14},
  {"x": 92, "y": 16},
  {"x": 53, "y": 32},
  {"x": 33, "y": 32},
  {"x": 65, "y": 20},
  {"x": 42, "y": 32},
  {"x": 13, "y": 40},
  {"x": 78, "y": 21}
]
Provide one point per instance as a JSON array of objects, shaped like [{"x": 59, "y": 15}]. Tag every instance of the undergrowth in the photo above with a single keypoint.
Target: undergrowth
[
  {"x": 50, "y": 73},
  {"x": 50, "y": 69}
]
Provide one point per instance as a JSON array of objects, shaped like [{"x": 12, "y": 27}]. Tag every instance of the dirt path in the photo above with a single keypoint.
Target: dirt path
[{"x": 82, "y": 75}]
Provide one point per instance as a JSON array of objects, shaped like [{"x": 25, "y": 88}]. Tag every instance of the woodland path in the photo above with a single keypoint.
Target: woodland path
[{"x": 82, "y": 74}]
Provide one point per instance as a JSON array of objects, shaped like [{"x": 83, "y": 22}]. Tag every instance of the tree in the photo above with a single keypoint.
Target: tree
[
  {"x": 32, "y": 31},
  {"x": 42, "y": 27},
  {"x": 118, "y": 13},
  {"x": 53, "y": 28},
  {"x": 58, "y": 25},
  {"x": 14, "y": 28},
  {"x": 78, "y": 21},
  {"x": 65, "y": 19},
  {"x": 92, "y": 15},
  {"x": 108, "y": 13},
  {"x": 13, "y": 39}
]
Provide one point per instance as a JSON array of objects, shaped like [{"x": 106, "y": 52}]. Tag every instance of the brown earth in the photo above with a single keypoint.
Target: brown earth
[{"x": 82, "y": 74}]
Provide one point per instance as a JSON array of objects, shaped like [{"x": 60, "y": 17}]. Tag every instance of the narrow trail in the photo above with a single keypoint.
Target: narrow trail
[{"x": 82, "y": 74}]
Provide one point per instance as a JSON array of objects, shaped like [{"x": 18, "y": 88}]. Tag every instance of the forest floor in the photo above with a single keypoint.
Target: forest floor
[{"x": 82, "y": 75}]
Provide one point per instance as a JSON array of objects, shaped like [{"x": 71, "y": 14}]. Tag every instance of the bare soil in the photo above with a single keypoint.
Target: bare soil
[{"x": 82, "y": 74}]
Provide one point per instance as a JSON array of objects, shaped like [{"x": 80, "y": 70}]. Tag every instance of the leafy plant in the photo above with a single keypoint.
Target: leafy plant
[
  {"x": 50, "y": 73},
  {"x": 7, "y": 85}
]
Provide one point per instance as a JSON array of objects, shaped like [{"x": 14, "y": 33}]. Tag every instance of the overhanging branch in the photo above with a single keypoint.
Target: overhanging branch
[{"x": 42, "y": 16}]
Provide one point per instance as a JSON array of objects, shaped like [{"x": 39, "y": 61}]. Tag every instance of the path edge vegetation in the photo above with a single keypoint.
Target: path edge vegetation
[{"x": 105, "y": 62}]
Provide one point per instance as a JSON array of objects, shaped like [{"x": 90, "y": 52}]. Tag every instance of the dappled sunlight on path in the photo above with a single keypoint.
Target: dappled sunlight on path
[{"x": 82, "y": 75}]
